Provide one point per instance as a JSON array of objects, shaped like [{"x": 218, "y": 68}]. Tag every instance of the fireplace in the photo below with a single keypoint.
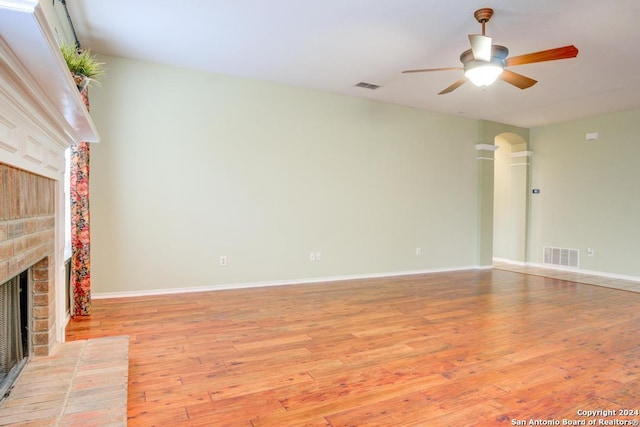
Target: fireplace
[
  {"x": 27, "y": 293},
  {"x": 27, "y": 230},
  {"x": 14, "y": 329},
  {"x": 41, "y": 114}
]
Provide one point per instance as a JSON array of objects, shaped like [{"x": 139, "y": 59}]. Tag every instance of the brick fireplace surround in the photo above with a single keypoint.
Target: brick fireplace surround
[{"x": 27, "y": 240}]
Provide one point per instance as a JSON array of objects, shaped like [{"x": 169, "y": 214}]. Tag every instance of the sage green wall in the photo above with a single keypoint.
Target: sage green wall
[
  {"x": 503, "y": 227},
  {"x": 485, "y": 178},
  {"x": 193, "y": 166},
  {"x": 589, "y": 191},
  {"x": 489, "y": 130}
]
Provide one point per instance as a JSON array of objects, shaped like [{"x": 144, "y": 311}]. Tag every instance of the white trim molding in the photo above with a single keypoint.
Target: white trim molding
[
  {"x": 521, "y": 154},
  {"x": 315, "y": 280},
  {"x": 487, "y": 147}
]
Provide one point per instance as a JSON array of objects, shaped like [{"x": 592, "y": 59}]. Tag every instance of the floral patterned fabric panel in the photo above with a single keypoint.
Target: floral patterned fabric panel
[{"x": 80, "y": 236}]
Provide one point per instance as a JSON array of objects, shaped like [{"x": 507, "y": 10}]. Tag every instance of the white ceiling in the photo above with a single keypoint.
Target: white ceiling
[{"x": 331, "y": 45}]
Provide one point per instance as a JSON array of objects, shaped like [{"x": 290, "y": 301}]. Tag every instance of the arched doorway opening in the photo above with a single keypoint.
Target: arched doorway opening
[{"x": 511, "y": 183}]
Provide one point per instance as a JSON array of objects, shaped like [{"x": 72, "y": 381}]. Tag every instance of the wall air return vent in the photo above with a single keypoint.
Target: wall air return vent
[
  {"x": 561, "y": 257},
  {"x": 366, "y": 85}
]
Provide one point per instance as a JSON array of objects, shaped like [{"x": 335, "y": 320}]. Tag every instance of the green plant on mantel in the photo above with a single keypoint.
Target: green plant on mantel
[{"x": 84, "y": 66}]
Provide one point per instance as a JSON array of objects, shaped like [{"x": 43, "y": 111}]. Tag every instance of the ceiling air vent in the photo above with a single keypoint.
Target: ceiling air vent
[
  {"x": 561, "y": 256},
  {"x": 366, "y": 85}
]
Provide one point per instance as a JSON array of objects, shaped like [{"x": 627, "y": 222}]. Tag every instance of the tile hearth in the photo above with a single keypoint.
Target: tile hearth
[{"x": 83, "y": 383}]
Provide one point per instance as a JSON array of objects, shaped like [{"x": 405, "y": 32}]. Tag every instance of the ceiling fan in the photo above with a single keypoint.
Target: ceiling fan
[{"x": 485, "y": 62}]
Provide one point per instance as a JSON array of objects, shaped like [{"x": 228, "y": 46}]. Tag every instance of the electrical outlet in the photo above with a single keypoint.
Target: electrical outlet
[
  {"x": 312, "y": 256},
  {"x": 318, "y": 256},
  {"x": 223, "y": 261},
  {"x": 590, "y": 252},
  {"x": 418, "y": 251}
]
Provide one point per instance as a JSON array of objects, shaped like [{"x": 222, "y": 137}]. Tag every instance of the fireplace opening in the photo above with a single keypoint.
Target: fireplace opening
[{"x": 14, "y": 330}]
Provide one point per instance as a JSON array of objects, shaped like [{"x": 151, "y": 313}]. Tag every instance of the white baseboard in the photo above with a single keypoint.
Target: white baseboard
[
  {"x": 510, "y": 261},
  {"x": 230, "y": 286},
  {"x": 61, "y": 336},
  {"x": 586, "y": 272},
  {"x": 570, "y": 270}
]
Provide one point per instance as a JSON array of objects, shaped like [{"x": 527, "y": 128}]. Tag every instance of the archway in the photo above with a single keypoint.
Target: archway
[{"x": 511, "y": 183}]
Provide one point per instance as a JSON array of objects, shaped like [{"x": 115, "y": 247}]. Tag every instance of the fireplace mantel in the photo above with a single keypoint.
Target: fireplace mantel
[
  {"x": 41, "y": 115},
  {"x": 33, "y": 64}
]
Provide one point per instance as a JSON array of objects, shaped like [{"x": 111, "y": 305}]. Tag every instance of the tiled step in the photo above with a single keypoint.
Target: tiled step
[{"x": 84, "y": 383}]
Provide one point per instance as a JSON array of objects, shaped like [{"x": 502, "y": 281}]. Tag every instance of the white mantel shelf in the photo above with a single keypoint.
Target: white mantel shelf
[{"x": 30, "y": 52}]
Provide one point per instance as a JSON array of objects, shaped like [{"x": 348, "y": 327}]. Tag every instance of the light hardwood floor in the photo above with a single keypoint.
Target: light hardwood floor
[{"x": 484, "y": 348}]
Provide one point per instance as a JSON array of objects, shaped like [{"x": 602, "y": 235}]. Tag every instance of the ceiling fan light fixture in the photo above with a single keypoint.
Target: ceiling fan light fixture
[
  {"x": 483, "y": 74},
  {"x": 485, "y": 62}
]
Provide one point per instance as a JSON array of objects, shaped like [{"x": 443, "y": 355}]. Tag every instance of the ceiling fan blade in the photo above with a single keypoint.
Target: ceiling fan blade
[
  {"x": 481, "y": 47},
  {"x": 518, "y": 80},
  {"x": 453, "y": 87},
  {"x": 432, "y": 69},
  {"x": 564, "y": 52}
]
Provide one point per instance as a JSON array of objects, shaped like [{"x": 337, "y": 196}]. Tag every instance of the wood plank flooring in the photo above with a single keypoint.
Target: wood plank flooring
[{"x": 469, "y": 348}]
